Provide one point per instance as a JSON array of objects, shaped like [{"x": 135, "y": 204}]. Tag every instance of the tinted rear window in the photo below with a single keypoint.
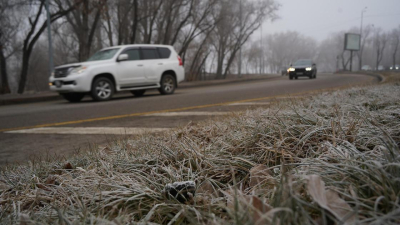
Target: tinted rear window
[
  {"x": 165, "y": 53},
  {"x": 149, "y": 54}
]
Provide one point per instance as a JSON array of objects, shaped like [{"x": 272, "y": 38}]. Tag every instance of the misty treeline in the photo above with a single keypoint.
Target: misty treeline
[
  {"x": 378, "y": 48},
  {"x": 200, "y": 30}
]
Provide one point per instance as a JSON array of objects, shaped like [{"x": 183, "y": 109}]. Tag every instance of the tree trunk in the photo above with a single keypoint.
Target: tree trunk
[
  {"x": 109, "y": 30},
  {"x": 395, "y": 53},
  {"x": 135, "y": 21},
  {"x": 24, "y": 72},
  {"x": 85, "y": 32},
  {"x": 220, "y": 62},
  {"x": 5, "y": 88},
  {"x": 231, "y": 58},
  {"x": 201, "y": 66},
  {"x": 377, "y": 58}
]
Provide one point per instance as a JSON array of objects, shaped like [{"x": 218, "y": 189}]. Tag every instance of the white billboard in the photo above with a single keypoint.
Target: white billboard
[{"x": 352, "y": 42}]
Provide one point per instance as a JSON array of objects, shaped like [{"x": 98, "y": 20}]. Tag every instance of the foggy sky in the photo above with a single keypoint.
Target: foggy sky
[{"x": 319, "y": 18}]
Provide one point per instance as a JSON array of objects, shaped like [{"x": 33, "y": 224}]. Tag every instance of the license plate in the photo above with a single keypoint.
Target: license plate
[
  {"x": 299, "y": 73},
  {"x": 58, "y": 83}
]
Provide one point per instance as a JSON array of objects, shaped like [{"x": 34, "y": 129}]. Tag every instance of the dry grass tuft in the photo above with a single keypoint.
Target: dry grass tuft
[{"x": 252, "y": 168}]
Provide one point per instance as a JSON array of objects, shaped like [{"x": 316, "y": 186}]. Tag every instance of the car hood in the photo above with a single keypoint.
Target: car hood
[{"x": 83, "y": 64}]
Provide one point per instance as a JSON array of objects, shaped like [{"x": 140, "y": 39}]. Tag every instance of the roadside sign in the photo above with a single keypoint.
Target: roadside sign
[{"x": 352, "y": 42}]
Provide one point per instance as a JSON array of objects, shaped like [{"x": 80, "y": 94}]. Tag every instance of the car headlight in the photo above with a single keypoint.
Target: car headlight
[
  {"x": 308, "y": 68},
  {"x": 292, "y": 69},
  {"x": 79, "y": 69}
]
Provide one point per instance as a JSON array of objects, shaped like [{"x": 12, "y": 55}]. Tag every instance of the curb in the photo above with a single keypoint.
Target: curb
[
  {"x": 239, "y": 80},
  {"x": 380, "y": 77},
  {"x": 54, "y": 96},
  {"x": 29, "y": 100}
]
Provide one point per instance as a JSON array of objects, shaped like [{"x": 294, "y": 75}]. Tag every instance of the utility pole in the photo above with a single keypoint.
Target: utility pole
[
  {"x": 261, "y": 54},
  {"x": 51, "y": 64},
  {"x": 361, "y": 28},
  {"x": 337, "y": 63},
  {"x": 240, "y": 39},
  {"x": 351, "y": 60}
]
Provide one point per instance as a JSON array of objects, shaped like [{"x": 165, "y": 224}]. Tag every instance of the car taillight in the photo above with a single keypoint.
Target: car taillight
[{"x": 180, "y": 61}]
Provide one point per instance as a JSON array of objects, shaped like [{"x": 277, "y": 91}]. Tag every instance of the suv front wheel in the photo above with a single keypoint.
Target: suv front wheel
[
  {"x": 102, "y": 89},
  {"x": 168, "y": 84}
]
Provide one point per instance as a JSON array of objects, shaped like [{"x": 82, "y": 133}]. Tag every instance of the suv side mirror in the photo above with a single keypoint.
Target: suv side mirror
[
  {"x": 291, "y": 65},
  {"x": 122, "y": 57},
  {"x": 314, "y": 64}
]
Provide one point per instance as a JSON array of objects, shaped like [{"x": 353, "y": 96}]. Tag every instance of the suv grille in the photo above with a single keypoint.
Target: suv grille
[
  {"x": 63, "y": 72},
  {"x": 300, "y": 70}
]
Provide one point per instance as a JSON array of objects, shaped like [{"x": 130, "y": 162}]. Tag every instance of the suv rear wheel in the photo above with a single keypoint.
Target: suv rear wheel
[
  {"x": 102, "y": 89},
  {"x": 168, "y": 84},
  {"x": 73, "y": 97}
]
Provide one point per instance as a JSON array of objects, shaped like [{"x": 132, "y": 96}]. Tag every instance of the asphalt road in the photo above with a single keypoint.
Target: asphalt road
[{"x": 61, "y": 129}]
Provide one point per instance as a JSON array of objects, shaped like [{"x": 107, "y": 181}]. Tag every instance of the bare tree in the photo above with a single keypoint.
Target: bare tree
[
  {"x": 150, "y": 10},
  {"x": 37, "y": 26},
  {"x": 8, "y": 31},
  {"x": 380, "y": 40},
  {"x": 281, "y": 49},
  {"x": 237, "y": 21},
  {"x": 201, "y": 23},
  {"x": 84, "y": 21},
  {"x": 395, "y": 42},
  {"x": 364, "y": 40}
]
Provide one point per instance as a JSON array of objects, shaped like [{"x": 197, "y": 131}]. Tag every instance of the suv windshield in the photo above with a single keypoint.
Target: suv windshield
[
  {"x": 103, "y": 54},
  {"x": 303, "y": 62}
]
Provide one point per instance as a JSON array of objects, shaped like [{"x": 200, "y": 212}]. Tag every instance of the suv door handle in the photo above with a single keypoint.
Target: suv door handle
[
  {"x": 161, "y": 64},
  {"x": 140, "y": 65}
]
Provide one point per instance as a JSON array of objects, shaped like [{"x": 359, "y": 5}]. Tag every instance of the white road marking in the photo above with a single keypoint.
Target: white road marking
[
  {"x": 250, "y": 103},
  {"x": 89, "y": 130},
  {"x": 190, "y": 114}
]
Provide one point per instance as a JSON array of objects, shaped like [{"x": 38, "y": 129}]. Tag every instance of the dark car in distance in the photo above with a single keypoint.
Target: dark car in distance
[{"x": 303, "y": 68}]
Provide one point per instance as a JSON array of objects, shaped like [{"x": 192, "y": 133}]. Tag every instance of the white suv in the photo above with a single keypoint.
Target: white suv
[{"x": 134, "y": 68}]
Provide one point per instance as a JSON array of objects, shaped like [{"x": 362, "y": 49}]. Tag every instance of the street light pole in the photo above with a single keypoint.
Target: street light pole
[
  {"x": 262, "y": 52},
  {"x": 361, "y": 28},
  {"x": 362, "y": 17},
  {"x": 240, "y": 39},
  {"x": 51, "y": 64}
]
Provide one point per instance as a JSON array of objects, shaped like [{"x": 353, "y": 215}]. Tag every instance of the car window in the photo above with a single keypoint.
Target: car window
[
  {"x": 303, "y": 62},
  {"x": 165, "y": 53},
  {"x": 149, "y": 54},
  {"x": 103, "y": 54},
  {"x": 133, "y": 54}
]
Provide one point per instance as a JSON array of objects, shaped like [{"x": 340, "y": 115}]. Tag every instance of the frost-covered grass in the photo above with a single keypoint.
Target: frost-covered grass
[{"x": 330, "y": 158}]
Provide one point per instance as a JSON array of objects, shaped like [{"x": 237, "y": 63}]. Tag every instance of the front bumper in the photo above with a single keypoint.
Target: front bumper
[
  {"x": 301, "y": 73},
  {"x": 73, "y": 83}
]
